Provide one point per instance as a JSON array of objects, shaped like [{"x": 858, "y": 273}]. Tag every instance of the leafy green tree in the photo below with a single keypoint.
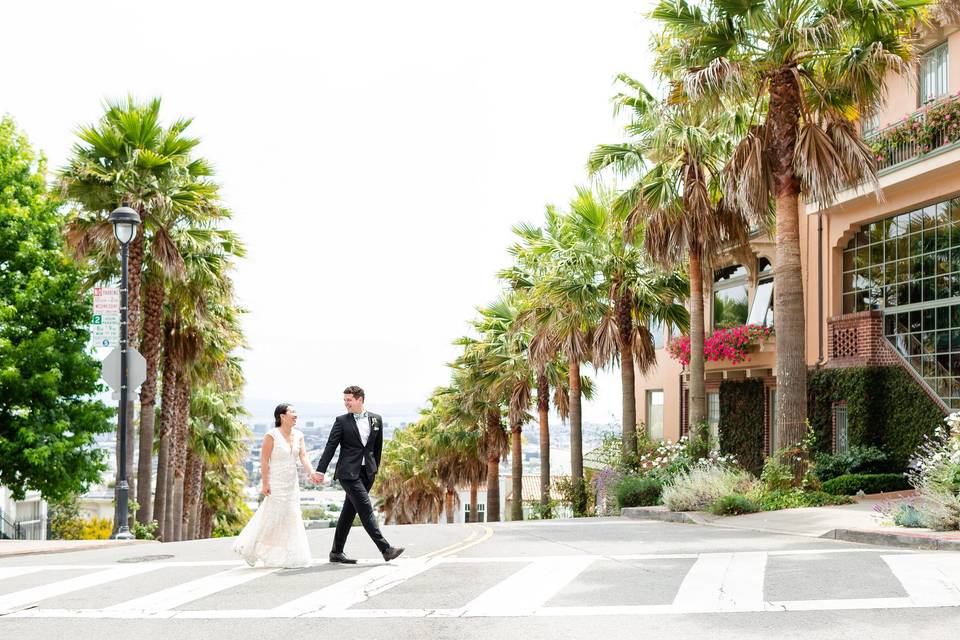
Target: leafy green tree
[{"x": 48, "y": 417}]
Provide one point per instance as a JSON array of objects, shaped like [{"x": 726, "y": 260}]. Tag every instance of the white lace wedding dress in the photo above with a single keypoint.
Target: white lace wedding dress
[{"x": 275, "y": 535}]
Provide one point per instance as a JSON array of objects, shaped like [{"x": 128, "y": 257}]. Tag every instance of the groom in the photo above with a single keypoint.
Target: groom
[{"x": 359, "y": 434}]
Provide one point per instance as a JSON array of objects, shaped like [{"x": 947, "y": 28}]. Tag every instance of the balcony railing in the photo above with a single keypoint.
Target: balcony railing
[{"x": 934, "y": 126}]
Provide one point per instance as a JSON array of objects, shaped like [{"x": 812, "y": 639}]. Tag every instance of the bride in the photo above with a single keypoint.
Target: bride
[{"x": 275, "y": 534}]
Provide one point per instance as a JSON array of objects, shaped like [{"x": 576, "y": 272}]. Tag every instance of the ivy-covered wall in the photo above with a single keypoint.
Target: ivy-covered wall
[
  {"x": 886, "y": 408},
  {"x": 741, "y": 422}
]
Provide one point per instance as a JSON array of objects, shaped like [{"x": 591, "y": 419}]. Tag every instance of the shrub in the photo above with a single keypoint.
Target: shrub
[
  {"x": 858, "y": 459},
  {"x": 776, "y": 476},
  {"x": 935, "y": 473},
  {"x": 97, "y": 528},
  {"x": 315, "y": 513},
  {"x": 796, "y": 498},
  {"x": 852, "y": 483},
  {"x": 909, "y": 516},
  {"x": 145, "y": 531},
  {"x": 638, "y": 491},
  {"x": 732, "y": 505},
  {"x": 703, "y": 484}
]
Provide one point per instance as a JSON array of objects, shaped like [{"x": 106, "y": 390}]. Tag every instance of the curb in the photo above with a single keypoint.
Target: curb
[
  {"x": 662, "y": 515},
  {"x": 903, "y": 540},
  {"x": 80, "y": 547}
]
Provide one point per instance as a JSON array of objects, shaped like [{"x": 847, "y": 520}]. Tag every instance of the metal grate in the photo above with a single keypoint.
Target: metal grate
[{"x": 840, "y": 422}]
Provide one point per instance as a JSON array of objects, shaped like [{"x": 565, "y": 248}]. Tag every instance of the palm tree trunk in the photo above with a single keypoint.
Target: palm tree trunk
[
  {"x": 206, "y": 520},
  {"x": 783, "y": 119},
  {"x": 152, "y": 336},
  {"x": 576, "y": 442},
  {"x": 191, "y": 490},
  {"x": 543, "y": 411},
  {"x": 167, "y": 420},
  {"x": 180, "y": 456},
  {"x": 627, "y": 380},
  {"x": 448, "y": 503},
  {"x": 493, "y": 467},
  {"x": 516, "y": 505},
  {"x": 473, "y": 501},
  {"x": 697, "y": 388}
]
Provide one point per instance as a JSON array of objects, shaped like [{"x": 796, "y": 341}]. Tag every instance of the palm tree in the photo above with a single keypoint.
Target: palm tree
[
  {"x": 530, "y": 263},
  {"x": 217, "y": 435},
  {"x": 638, "y": 295},
  {"x": 810, "y": 68},
  {"x": 128, "y": 156},
  {"x": 676, "y": 154},
  {"x": 407, "y": 489},
  {"x": 480, "y": 396},
  {"x": 202, "y": 326},
  {"x": 571, "y": 294}
]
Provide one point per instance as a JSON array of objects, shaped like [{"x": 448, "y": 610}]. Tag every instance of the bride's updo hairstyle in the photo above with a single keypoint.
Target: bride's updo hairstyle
[{"x": 279, "y": 411}]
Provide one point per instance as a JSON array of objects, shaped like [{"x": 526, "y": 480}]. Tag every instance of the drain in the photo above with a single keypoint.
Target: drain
[{"x": 145, "y": 559}]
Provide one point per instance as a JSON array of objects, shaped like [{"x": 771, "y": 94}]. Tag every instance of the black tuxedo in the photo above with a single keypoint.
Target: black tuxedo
[
  {"x": 354, "y": 455},
  {"x": 356, "y": 470}
]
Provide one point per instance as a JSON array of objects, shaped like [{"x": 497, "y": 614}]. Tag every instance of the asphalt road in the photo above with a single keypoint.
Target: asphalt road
[{"x": 587, "y": 578}]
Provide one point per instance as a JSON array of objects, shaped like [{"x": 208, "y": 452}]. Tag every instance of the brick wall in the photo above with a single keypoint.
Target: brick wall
[{"x": 856, "y": 339}]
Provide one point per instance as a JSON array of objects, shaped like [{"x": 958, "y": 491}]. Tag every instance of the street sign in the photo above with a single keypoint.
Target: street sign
[
  {"x": 105, "y": 323},
  {"x": 106, "y": 300},
  {"x": 136, "y": 369}
]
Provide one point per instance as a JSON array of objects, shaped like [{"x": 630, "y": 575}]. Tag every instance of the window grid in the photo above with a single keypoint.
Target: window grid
[{"x": 909, "y": 266}]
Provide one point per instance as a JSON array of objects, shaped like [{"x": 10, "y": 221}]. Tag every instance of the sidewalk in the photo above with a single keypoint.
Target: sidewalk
[
  {"x": 9, "y": 548},
  {"x": 851, "y": 522}
]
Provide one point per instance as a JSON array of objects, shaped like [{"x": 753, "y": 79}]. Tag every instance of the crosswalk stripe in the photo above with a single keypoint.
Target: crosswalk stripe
[
  {"x": 15, "y": 572},
  {"x": 529, "y": 588},
  {"x": 36, "y": 594},
  {"x": 354, "y": 589},
  {"x": 928, "y": 580},
  {"x": 723, "y": 582},
  {"x": 189, "y": 591}
]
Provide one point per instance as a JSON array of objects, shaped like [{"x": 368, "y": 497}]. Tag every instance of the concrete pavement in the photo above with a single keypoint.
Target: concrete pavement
[
  {"x": 537, "y": 579},
  {"x": 859, "y": 522}
]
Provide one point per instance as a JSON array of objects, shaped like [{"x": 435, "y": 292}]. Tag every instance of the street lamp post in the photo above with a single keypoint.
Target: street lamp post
[{"x": 125, "y": 221}]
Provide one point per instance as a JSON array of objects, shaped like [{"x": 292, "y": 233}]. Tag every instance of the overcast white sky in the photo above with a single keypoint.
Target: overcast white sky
[{"x": 375, "y": 154}]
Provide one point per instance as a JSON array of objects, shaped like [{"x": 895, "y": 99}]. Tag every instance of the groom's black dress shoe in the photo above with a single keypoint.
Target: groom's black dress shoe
[
  {"x": 392, "y": 553},
  {"x": 341, "y": 558}
]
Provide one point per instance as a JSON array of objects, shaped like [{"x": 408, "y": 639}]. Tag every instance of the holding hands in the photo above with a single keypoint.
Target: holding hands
[{"x": 316, "y": 477}]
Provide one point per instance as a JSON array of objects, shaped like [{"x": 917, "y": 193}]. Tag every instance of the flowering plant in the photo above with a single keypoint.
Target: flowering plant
[
  {"x": 723, "y": 344},
  {"x": 935, "y": 473},
  {"x": 935, "y": 125}
]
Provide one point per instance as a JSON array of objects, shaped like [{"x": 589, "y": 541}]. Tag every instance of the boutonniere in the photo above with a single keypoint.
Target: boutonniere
[{"x": 373, "y": 423}]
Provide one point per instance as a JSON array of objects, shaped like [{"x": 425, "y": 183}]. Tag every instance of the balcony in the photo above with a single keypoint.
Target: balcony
[{"x": 931, "y": 130}]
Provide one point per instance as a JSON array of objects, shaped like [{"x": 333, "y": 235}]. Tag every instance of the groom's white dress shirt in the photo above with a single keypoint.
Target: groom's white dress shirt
[{"x": 363, "y": 426}]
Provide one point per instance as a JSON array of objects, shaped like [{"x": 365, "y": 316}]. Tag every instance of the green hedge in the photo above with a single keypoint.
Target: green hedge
[
  {"x": 853, "y": 483},
  {"x": 886, "y": 409},
  {"x": 741, "y": 422},
  {"x": 637, "y": 491}
]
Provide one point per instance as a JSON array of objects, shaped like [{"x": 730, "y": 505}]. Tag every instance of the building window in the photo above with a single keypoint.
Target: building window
[
  {"x": 869, "y": 125},
  {"x": 933, "y": 74},
  {"x": 713, "y": 416},
  {"x": 730, "y": 297},
  {"x": 481, "y": 512},
  {"x": 762, "y": 310},
  {"x": 655, "y": 414},
  {"x": 908, "y": 266}
]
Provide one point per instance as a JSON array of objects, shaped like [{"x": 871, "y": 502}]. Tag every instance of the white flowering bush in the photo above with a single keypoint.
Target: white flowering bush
[
  {"x": 703, "y": 483},
  {"x": 667, "y": 459},
  {"x": 935, "y": 474}
]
